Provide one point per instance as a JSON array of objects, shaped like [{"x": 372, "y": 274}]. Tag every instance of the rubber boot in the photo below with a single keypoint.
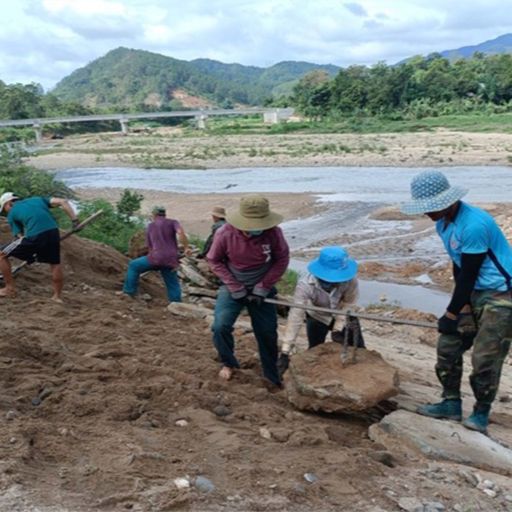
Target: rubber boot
[
  {"x": 450, "y": 409},
  {"x": 479, "y": 419}
]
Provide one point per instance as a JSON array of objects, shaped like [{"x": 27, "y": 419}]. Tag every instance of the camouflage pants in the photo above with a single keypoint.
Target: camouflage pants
[{"x": 489, "y": 332}]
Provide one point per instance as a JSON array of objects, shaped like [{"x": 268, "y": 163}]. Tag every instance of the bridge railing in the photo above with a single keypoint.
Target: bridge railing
[{"x": 282, "y": 113}]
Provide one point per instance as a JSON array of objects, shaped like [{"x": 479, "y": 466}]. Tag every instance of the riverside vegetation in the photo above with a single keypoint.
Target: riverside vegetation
[{"x": 420, "y": 94}]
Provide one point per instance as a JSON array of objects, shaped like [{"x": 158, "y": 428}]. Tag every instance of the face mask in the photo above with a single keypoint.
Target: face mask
[
  {"x": 327, "y": 287},
  {"x": 255, "y": 232}
]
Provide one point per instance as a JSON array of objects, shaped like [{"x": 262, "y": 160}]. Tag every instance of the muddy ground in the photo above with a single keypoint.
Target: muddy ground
[
  {"x": 128, "y": 400},
  {"x": 127, "y": 395}
]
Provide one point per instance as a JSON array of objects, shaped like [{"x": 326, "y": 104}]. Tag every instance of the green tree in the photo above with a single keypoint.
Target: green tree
[{"x": 129, "y": 204}]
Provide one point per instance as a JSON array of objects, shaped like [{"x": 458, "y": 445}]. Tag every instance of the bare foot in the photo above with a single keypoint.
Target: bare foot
[
  {"x": 226, "y": 373},
  {"x": 58, "y": 300},
  {"x": 7, "y": 292}
]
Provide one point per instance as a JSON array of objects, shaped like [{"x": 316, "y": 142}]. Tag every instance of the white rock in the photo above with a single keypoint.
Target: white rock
[
  {"x": 490, "y": 493},
  {"x": 181, "y": 483},
  {"x": 488, "y": 484},
  {"x": 265, "y": 433},
  {"x": 181, "y": 423},
  {"x": 423, "y": 279},
  {"x": 311, "y": 478}
]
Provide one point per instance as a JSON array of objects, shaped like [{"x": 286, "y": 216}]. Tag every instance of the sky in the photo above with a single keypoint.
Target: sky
[{"x": 43, "y": 41}]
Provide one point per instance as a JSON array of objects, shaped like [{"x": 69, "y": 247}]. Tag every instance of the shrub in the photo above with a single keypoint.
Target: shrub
[
  {"x": 287, "y": 283},
  {"x": 24, "y": 180},
  {"x": 112, "y": 227},
  {"x": 129, "y": 204}
]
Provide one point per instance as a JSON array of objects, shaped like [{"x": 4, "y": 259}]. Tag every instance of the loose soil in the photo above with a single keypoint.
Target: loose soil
[
  {"x": 130, "y": 401},
  {"x": 128, "y": 397}
]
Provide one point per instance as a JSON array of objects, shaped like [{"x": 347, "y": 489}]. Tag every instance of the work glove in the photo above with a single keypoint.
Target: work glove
[
  {"x": 446, "y": 325},
  {"x": 74, "y": 224},
  {"x": 282, "y": 364},
  {"x": 257, "y": 300}
]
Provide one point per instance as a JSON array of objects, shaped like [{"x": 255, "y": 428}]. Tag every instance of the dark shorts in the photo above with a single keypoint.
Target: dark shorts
[{"x": 44, "y": 248}]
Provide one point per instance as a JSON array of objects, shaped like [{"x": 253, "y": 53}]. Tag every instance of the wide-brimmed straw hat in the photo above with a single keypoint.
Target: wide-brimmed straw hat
[
  {"x": 5, "y": 198},
  {"x": 431, "y": 192},
  {"x": 333, "y": 265},
  {"x": 254, "y": 213},
  {"x": 218, "y": 211}
]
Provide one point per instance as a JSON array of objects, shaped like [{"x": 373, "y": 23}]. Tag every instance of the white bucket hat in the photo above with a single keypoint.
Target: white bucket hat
[
  {"x": 5, "y": 198},
  {"x": 431, "y": 192}
]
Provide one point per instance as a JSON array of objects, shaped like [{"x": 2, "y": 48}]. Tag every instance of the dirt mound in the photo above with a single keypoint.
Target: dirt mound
[
  {"x": 105, "y": 402},
  {"x": 93, "y": 391}
]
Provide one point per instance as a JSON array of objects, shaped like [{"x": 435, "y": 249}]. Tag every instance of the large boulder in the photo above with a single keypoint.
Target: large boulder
[
  {"x": 318, "y": 380},
  {"x": 440, "y": 440}
]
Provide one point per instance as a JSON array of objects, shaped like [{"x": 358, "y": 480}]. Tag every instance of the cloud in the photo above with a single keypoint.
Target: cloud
[
  {"x": 91, "y": 19},
  {"x": 356, "y": 9},
  {"x": 42, "y": 38}
]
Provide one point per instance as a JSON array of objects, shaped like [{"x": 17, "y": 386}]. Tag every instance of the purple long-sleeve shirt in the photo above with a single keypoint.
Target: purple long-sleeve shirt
[
  {"x": 234, "y": 256},
  {"x": 162, "y": 243}
]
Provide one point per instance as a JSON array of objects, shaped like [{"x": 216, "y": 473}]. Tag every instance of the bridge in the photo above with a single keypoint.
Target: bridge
[{"x": 270, "y": 115}]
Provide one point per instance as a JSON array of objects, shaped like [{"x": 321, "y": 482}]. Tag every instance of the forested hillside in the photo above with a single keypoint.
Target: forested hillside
[
  {"x": 143, "y": 80},
  {"x": 134, "y": 80},
  {"x": 419, "y": 87}
]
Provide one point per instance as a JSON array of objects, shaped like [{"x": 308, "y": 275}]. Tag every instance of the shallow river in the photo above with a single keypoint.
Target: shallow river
[
  {"x": 366, "y": 184},
  {"x": 363, "y": 188}
]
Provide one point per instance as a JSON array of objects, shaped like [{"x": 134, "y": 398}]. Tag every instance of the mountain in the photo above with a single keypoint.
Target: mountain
[
  {"x": 502, "y": 44},
  {"x": 139, "y": 79}
]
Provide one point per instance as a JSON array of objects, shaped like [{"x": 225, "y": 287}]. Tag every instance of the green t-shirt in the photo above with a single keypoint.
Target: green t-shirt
[{"x": 31, "y": 216}]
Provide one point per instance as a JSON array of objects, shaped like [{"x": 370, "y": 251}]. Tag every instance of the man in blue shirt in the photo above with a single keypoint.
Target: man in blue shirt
[
  {"x": 482, "y": 269},
  {"x": 37, "y": 237}
]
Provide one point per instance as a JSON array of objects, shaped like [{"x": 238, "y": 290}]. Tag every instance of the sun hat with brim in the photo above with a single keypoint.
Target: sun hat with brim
[
  {"x": 431, "y": 192},
  {"x": 5, "y": 198},
  {"x": 254, "y": 214},
  {"x": 218, "y": 211},
  {"x": 333, "y": 265}
]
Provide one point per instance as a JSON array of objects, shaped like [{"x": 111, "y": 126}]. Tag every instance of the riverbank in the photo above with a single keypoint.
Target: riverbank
[
  {"x": 193, "y": 210},
  {"x": 391, "y": 248},
  {"x": 171, "y": 148}
]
